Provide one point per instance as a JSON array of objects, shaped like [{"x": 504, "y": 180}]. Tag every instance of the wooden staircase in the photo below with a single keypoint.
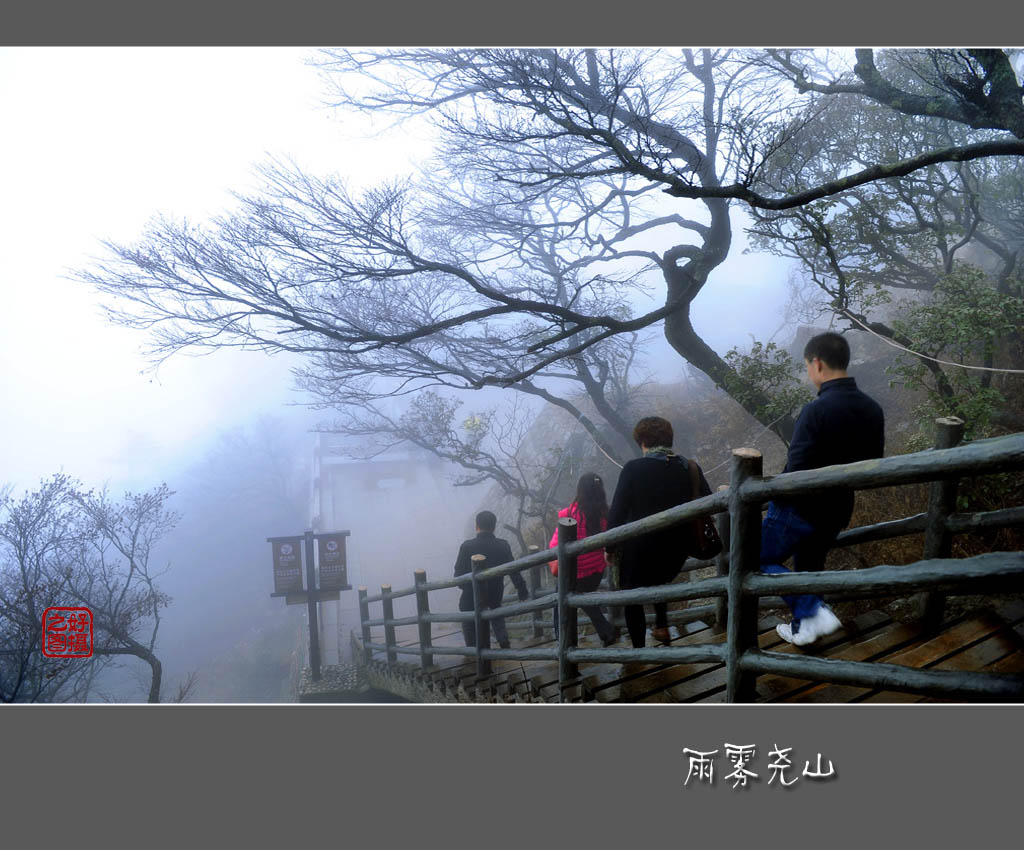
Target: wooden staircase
[{"x": 990, "y": 640}]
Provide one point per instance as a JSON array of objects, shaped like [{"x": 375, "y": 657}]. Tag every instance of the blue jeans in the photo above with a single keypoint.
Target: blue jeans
[{"x": 784, "y": 533}]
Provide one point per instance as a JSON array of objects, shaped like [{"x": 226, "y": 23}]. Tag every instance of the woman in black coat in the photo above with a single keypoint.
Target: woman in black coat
[{"x": 647, "y": 485}]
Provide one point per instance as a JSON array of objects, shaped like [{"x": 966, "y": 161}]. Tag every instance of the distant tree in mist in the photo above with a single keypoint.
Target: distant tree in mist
[
  {"x": 258, "y": 470},
  {"x": 519, "y": 451},
  {"x": 563, "y": 183},
  {"x": 252, "y": 482},
  {"x": 62, "y": 545},
  {"x": 930, "y": 261},
  {"x": 35, "y": 533}
]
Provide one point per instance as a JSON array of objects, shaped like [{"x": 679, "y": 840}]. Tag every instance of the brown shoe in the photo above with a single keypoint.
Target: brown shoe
[{"x": 662, "y": 636}]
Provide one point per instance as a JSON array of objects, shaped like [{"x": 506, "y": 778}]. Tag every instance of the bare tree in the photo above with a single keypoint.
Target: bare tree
[
  {"x": 891, "y": 258},
  {"x": 564, "y": 181},
  {"x": 113, "y": 575},
  {"x": 520, "y": 454},
  {"x": 64, "y": 546},
  {"x": 36, "y": 533},
  {"x": 577, "y": 140},
  {"x": 980, "y": 89}
]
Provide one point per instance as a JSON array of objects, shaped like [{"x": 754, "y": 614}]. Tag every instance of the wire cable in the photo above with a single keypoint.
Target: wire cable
[{"x": 925, "y": 356}]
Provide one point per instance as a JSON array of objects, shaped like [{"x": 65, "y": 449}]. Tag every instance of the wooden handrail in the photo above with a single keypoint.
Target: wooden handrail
[{"x": 739, "y": 585}]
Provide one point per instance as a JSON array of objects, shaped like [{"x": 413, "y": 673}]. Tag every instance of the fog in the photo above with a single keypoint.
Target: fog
[{"x": 107, "y": 138}]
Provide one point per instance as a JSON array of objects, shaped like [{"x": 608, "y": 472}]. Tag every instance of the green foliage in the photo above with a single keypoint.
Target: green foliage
[
  {"x": 431, "y": 421},
  {"x": 990, "y": 492},
  {"x": 766, "y": 371},
  {"x": 965, "y": 321}
]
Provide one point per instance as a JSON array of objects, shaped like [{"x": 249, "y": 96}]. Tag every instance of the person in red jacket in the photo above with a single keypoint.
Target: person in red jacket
[{"x": 590, "y": 510}]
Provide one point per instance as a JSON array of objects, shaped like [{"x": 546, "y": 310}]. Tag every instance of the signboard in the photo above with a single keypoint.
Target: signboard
[
  {"x": 303, "y": 598},
  {"x": 333, "y": 568},
  {"x": 287, "y": 564}
]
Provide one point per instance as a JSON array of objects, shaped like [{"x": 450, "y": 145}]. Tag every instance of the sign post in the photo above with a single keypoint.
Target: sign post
[
  {"x": 311, "y": 600},
  {"x": 287, "y": 558}
]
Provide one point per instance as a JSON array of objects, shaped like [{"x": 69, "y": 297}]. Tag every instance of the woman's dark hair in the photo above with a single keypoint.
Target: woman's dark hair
[
  {"x": 653, "y": 431},
  {"x": 593, "y": 503}
]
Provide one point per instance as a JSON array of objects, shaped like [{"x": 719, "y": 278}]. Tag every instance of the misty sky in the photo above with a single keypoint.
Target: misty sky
[
  {"x": 98, "y": 141},
  {"x": 101, "y": 139}
]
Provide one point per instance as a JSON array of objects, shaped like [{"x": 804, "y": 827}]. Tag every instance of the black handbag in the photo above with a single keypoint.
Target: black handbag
[{"x": 706, "y": 542}]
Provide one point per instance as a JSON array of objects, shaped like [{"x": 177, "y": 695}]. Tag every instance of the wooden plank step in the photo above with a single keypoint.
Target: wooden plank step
[
  {"x": 919, "y": 654},
  {"x": 696, "y": 682},
  {"x": 843, "y": 693},
  {"x": 893, "y": 637},
  {"x": 690, "y": 682},
  {"x": 842, "y": 644},
  {"x": 949, "y": 642},
  {"x": 1010, "y": 664},
  {"x": 603, "y": 676},
  {"x": 992, "y": 641},
  {"x": 631, "y": 682},
  {"x": 596, "y": 679},
  {"x": 708, "y": 680},
  {"x": 709, "y": 685},
  {"x": 1005, "y": 641},
  {"x": 970, "y": 658}
]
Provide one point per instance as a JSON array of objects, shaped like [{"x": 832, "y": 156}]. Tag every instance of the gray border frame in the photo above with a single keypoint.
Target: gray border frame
[{"x": 386, "y": 774}]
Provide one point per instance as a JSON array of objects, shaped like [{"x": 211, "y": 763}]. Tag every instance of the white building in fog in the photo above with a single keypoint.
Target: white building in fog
[{"x": 403, "y": 514}]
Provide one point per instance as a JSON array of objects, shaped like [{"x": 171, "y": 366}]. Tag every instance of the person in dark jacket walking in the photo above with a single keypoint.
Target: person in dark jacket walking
[
  {"x": 498, "y": 552},
  {"x": 655, "y": 482},
  {"x": 841, "y": 425}
]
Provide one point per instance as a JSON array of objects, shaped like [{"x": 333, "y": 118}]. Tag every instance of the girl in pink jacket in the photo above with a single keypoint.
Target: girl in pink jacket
[{"x": 590, "y": 510}]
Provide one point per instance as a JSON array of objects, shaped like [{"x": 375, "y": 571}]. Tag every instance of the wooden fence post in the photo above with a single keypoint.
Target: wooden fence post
[
  {"x": 482, "y": 626},
  {"x": 744, "y": 558},
  {"x": 722, "y": 562},
  {"x": 364, "y": 617},
  {"x": 389, "y": 631},
  {"x": 941, "y": 503},
  {"x": 534, "y": 581},
  {"x": 567, "y": 638},
  {"x": 419, "y": 578}
]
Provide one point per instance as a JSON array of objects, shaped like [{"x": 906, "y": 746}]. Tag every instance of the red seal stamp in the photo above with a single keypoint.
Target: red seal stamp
[{"x": 67, "y": 632}]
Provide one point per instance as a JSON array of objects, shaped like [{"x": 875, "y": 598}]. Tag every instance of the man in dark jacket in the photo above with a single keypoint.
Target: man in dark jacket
[
  {"x": 841, "y": 425},
  {"x": 498, "y": 552}
]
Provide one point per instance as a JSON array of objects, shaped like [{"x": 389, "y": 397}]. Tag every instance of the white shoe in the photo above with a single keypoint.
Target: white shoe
[
  {"x": 785, "y": 631},
  {"x": 824, "y": 622}
]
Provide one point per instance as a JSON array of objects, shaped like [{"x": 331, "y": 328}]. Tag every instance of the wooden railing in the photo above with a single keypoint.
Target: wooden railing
[{"x": 739, "y": 587}]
